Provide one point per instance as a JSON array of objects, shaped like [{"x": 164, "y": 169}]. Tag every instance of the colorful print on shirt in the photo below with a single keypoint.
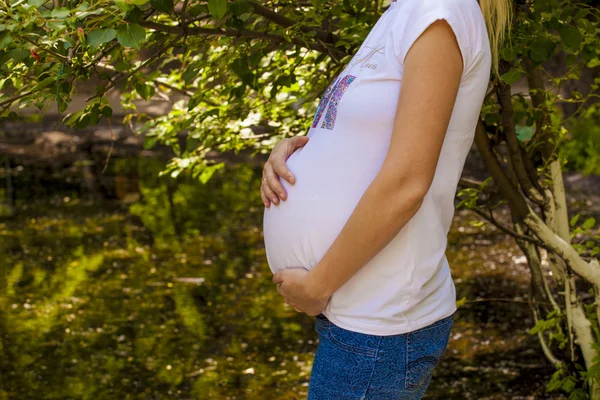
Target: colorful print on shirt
[{"x": 331, "y": 99}]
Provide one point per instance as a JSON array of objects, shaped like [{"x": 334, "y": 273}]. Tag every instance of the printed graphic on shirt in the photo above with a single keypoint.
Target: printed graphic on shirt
[
  {"x": 331, "y": 99},
  {"x": 364, "y": 56}
]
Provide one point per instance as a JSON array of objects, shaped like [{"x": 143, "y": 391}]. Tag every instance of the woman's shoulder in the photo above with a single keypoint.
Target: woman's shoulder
[
  {"x": 464, "y": 17},
  {"x": 450, "y": 5}
]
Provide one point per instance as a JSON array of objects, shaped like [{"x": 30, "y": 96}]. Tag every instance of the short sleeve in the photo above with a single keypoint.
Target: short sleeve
[{"x": 426, "y": 13}]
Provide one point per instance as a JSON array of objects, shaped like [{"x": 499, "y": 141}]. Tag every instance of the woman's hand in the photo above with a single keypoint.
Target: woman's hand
[
  {"x": 271, "y": 189},
  {"x": 293, "y": 285}
]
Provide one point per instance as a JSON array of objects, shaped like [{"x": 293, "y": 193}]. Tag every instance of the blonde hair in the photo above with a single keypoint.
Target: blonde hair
[{"x": 498, "y": 16}]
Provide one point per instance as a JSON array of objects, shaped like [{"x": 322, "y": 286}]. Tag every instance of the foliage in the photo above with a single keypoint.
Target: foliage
[
  {"x": 520, "y": 138},
  {"x": 95, "y": 304},
  {"x": 244, "y": 73},
  {"x": 238, "y": 72},
  {"x": 581, "y": 147}
]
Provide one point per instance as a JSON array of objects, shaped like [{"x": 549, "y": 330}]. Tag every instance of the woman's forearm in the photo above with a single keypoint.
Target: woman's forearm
[{"x": 385, "y": 207}]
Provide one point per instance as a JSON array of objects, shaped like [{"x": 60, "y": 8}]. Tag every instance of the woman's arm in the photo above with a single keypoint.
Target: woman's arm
[{"x": 430, "y": 82}]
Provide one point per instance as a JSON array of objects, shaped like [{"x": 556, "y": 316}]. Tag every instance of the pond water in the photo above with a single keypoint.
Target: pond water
[{"x": 158, "y": 288}]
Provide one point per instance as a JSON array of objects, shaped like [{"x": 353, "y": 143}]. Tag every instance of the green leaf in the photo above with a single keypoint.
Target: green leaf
[
  {"x": 5, "y": 40},
  {"x": 197, "y": 10},
  {"x": 508, "y": 53},
  {"x": 123, "y": 5},
  {"x": 107, "y": 111},
  {"x": 571, "y": 36},
  {"x": 44, "y": 83},
  {"x": 60, "y": 13},
  {"x": 194, "y": 101},
  {"x": 83, "y": 121},
  {"x": 121, "y": 66},
  {"x": 240, "y": 67},
  {"x": 190, "y": 73},
  {"x": 538, "y": 54},
  {"x": 571, "y": 59},
  {"x": 131, "y": 35},
  {"x": 70, "y": 119},
  {"x": 84, "y": 14},
  {"x": 149, "y": 142},
  {"x": 594, "y": 62},
  {"x": 511, "y": 76},
  {"x": 217, "y": 8},
  {"x": 240, "y": 7},
  {"x": 578, "y": 394},
  {"x": 100, "y": 36},
  {"x": 589, "y": 223},
  {"x": 547, "y": 44},
  {"x": 19, "y": 54},
  {"x": 574, "y": 220},
  {"x": 569, "y": 384},
  {"x": 209, "y": 170},
  {"x": 145, "y": 91},
  {"x": 255, "y": 58},
  {"x": 524, "y": 133},
  {"x": 162, "y": 5}
]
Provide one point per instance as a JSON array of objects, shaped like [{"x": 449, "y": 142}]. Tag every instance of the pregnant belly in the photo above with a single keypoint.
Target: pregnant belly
[{"x": 300, "y": 230}]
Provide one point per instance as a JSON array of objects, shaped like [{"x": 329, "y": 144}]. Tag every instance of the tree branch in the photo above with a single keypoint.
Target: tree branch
[
  {"x": 514, "y": 148},
  {"x": 129, "y": 75},
  {"x": 8, "y": 102},
  {"x": 55, "y": 54},
  {"x": 281, "y": 20},
  {"x": 515, "y": 200},
  {"x": 490, "y": 218},
  {"x": 475, "y": 184},
  {"x": 226, "y": 32},
  {"x": 545, "y": 348},
  {"x": 564, "y": 250},
  {"x": 536, "y": 93}
]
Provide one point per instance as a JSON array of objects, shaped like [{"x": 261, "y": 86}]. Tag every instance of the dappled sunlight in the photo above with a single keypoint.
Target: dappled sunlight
[{"x": 171, "y": 296}]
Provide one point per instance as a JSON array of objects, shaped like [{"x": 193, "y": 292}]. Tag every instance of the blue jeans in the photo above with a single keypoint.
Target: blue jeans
[{"x": 356, "y": 366}]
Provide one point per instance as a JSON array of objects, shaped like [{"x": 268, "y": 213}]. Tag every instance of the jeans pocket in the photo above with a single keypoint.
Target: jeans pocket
[
  {"x": 424, "y": 349},
  {"x": 354, "y": 342},
  {"x": 322, "y": 325}
]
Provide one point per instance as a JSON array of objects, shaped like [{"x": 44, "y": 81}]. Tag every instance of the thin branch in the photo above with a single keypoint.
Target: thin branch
[
  {"x": 184, "y": 8},
  {"x": 475, "y": 184},
  {"x": 102, "y": 54},
  {"x": 8, "y": 102},
  {"x": 490, "y": 218},
  {"x": 286, "y": 22},
  {"x": 481, "y": 300},
  {"x": 545, "y": 348},
  {"x": 55, "y": 54},
  {"x": 226, "y": 32},
  {"x": 112, "y": 145},
  {"x": 150, "y": 59},
  {"x": 184, "y": 92}
]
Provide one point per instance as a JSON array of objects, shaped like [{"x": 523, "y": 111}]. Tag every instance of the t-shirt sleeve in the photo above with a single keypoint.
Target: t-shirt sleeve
[{"x": 427, "y": 12}]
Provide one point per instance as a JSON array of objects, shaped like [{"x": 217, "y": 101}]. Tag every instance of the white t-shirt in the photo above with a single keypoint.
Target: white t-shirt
[{"x": 408, "y": 284}]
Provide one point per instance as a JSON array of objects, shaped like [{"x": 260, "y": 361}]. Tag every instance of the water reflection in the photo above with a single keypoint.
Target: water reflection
[{"x": 159, "y": 289}]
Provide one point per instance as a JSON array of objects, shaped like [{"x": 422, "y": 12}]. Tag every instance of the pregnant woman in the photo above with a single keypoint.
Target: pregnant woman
[{"x": 357, "y": 212}]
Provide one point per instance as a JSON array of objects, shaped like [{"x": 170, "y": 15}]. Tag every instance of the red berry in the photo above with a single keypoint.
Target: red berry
[{"x": 36, "y": 56}]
